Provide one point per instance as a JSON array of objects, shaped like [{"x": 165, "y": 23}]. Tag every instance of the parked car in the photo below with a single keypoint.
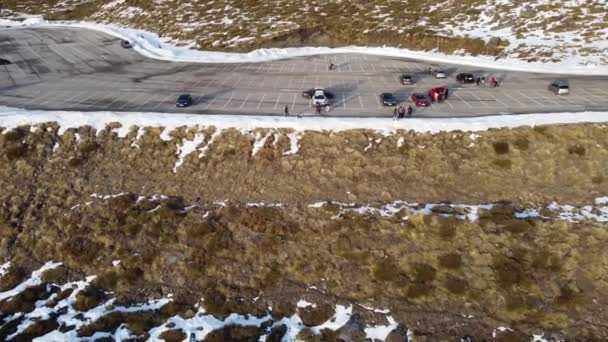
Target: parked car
[
  {"x": 406, "y": 79},
  {"x": 126, "y": 44},
  {"x": 388, "y": 99},
  {"x": 439, "y": 73},
  {"x": 319, "y": 98},
  {"x": 439, "y": 93},
  {"x": 307, "y": 94},
  {"x": 559, "y": 88},
  {"x": 4, "y": 61},
  {"x": 184, "y": 100},
  {"x": 465, "y": 78},
  {"x": 420, "y": 100}
]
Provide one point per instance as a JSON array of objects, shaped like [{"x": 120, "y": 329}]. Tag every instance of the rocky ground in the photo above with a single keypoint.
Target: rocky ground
[{"x": 239, "y": 231}]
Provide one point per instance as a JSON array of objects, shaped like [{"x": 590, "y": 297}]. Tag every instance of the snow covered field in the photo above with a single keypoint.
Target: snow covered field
[{"x": 151, "y": 45}]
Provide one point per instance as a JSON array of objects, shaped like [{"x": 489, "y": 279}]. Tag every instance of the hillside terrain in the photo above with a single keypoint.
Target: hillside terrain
[
  {"x": 347, "y": 222},
  {"x": 527, "y": 30}
]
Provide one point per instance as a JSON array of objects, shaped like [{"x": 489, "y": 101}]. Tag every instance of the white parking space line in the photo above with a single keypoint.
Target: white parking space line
[
  {"x": 465, "y": 102},
  {"x": 514, "y": 99},
  {"x": 479, "y": 99},
  {"x": 531, "y": 99},
  {"x": 446, "y": 101},
  {"x": 161, "y": 102},
  {"x": 261, "y": 100},
  {"x": 361, "y": 67},
  {"x": 587, "y": 100},
  {"x": 276, "y": 104},
  {"x": 210, "y": 102},
  {"x": 498, "y": 100},
  {"x": 293, "y": 103},
  {"x": 603, "y": 99},
  {"x": 360, "y": 101},
  {"x": 244, "y": 101},
  {"x": 350, "y": 68},
  {"x": 542, "y": 96},
  {"x": 373, "y": 68},
  {"x": 343, "y": 101},
  {"x": 226, "y": 78},
  {"x": 152, "y": 97},
  {"x": 229, "y": 99}
]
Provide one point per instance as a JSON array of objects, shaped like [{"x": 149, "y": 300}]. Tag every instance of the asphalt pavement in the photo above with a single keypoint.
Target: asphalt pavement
[{"x": 79, "y": 69}]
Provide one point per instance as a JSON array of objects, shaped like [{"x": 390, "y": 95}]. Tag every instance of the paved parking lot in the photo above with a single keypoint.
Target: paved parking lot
[{"x": 71, "y": 69}]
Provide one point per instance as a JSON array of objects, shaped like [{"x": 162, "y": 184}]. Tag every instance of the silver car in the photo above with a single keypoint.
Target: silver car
[
  {"x": 440, "y": 74},
  {"x": 559, "y": 88}
]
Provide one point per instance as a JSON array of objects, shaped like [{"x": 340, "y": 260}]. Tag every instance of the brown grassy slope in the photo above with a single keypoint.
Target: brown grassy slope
[
  {"x": 429, "y": 271},
  {"x": 530, "y": 167},
  {"x": 530, "y": 274},
  {"x": 278, "y": 23}
]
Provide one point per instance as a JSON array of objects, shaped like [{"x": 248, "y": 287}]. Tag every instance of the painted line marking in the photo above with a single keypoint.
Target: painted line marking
[
  {"x": 465, "y": 102},
  {"x": 229, "y": 99},
  {"x": 479, "y": 99},
  {"x": 260, "y": 103},
  {"x": 498, "y": 100},
  {"x": 531, "y": 99},
  {"x": 210, "y": 102},
  {"x": 161, "y": 102},
  {"x": 514, "y": 99},
  {"x": 276, "y": 104},
  {"x": 244, "y": 101}
]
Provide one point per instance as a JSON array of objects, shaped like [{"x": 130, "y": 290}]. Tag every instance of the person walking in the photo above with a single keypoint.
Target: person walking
[
  {"x": 477, "y": 80},
  {"x": 395, "y": 113},
  {"x": 410, "y": 110},
  {"x": 318, "y": 108},
  {"x": 331, "y": 66},
  {"x": 286, "y": 110}
]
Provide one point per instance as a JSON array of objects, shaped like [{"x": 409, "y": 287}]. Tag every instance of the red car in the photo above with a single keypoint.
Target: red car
[
  {"x": 439, "y": 93},
  {"x": 420, "y": 100}
]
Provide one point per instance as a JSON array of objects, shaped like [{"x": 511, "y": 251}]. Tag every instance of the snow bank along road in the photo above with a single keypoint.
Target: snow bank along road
[{"x": 79, "y": 69}]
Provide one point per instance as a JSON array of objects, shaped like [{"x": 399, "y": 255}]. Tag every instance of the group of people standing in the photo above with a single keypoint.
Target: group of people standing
[
  {"x": 399, "y": 112},
  {"x": 482, "y": 80}
]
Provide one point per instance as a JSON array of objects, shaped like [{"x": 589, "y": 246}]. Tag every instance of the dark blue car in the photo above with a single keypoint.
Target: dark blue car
[
  {"x": 184, "y": 100},
  {"x": 388, "y": 99}
]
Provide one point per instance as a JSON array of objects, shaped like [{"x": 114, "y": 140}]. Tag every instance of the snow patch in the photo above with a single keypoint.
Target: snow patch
[
  {"x": 380, "y": 332},
  {"x": 187, "y": 147},
  {"x": 34, "y": 280},
  {"x": 304, "y": 304},
  {"x": 14, "y": 117},
  {"x": 4, "y": 268},
  {"x": 294, "y": 147},
  {"x": 259, "y": 142}
]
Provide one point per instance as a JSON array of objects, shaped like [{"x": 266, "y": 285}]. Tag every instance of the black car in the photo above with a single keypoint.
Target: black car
[
  {"x": 184, "y": 100},
  {"x": 126, "y": 44},
  {"x": 407, "y": 79},
  {"x": 4, "y": 61},
  {"x": 465, "y": 78},
  {"x": 388, "y": 99}
]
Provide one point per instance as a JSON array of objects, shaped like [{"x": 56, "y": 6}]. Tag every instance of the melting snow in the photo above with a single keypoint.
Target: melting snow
[
  {"x": 380, "y": 332},
  {"x": 187, "y": 147}
]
